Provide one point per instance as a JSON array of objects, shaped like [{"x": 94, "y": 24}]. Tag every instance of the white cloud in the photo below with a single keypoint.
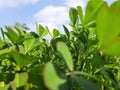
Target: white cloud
[
  {"x": 56, "y": 16},
  {"x": 52, "y": 16},
  {"x": 14, "y": 3}
]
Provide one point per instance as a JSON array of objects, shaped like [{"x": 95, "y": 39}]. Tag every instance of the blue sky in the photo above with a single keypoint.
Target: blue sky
[{"x": 52, "y": 13}]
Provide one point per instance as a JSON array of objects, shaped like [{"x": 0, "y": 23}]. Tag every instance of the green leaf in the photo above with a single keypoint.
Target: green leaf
[
  {"x": 48, "y": 31},
  {"x": 12, "y": 35},
  {"x": 92, "y": 9},
  {"x": 35, "y": 78},
  {"x": 64, "y": 51},
  {"x": 116, "y": 5},
  {"x": 55, "y": 32},
  {"x": 21, "y": 59},
  {"x": 7, "y": 50},
  {"x": 6, "y": 87},
  {"x": 20, "y": 30},
  {"x": 3, "y": 34},
  {"x": 20, "y": 79},
  {"x": 37, "y": 28},
  {"x": 84, "y": 84},
  {"x": 108, "y": 31},
  {"x": 30, "y": 44},
  {"x": 111, "y": 77},
  {"x": 80, "y": 13},
  {"x": 41, "y": 30},
  {"x": 73, "y": 14},
  {"x": 1, "y": 43},
  {"x": 51, "y": 78},
  {"x": 66, "y": 31}
]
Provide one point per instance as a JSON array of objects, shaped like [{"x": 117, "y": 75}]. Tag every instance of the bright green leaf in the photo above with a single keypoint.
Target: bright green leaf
[
  {"x": 12, "y": 35},
  {"x": 20, "y": 79},
  {"x": 51, "y": 78},
  {"x": 19, "y": 30},
  {"x": 63, "y": 49},
  {"x": 116, "y": 5},
  {"x": 6, "y": 87},
  {"x": 108, "y": 31},
  {"x": 55, "y": 32},
  {"x": 1, "y": 43},
  {"x": 3, "y": 34},
  {"x": 80, "y": 13},
  {"x": 37, "y": 28},
  {"x": 21, "y": 59},
  {"x": 7, "y": 50},
  {"x": 42, "y": 31},
  {"x": 31, "y": 44},
  {"x": 92, "y": 9}
]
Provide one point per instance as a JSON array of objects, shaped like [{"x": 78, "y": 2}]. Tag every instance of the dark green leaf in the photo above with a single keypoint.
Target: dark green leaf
[
  {"x": 51, "y": 78},
  {"x": 111, "y": 76},
  {"x": 73, "y": 14},
  {"x": 84, "y": 84},
  {"x": 35, "y": 78},
  {"x": 66, "y": 31}
]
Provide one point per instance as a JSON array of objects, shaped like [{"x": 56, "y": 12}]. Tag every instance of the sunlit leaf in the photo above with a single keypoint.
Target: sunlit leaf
[
  {"x": 21, "y": 59},
  {"x": 20, "y": 79},
  {"x": 108, "y": 30},
  {"x": 63, "y": 49},
  {"x": 115, "y": 5},
  {"x": 6, "y": 87},
  {"x": 19, "y": 30},
  {"x": 12, "y": 35},
  {"x": 42, "y": 31},
  {"x": 31, "y": 44},
  {"x": 3, "y": 34},
  {"x": 55, "y": 32},
  {"x": 92, "y": 9},
  {"x": 7, "y": 50},
  {"x": 80, "y": 13}
]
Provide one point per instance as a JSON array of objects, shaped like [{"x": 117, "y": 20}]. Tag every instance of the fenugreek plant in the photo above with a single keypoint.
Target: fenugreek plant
[{"x": 86, "y": 58}]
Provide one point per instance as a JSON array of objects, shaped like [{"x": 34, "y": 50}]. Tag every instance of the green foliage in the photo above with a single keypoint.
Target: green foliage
[
  {"x": 73, "y": 13},
  {"x": 64, "y": 51},
  {"x": 49, "y": 81},
  {"x": 108, "y": 36},
  {"x": 86, "y": 58}
]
